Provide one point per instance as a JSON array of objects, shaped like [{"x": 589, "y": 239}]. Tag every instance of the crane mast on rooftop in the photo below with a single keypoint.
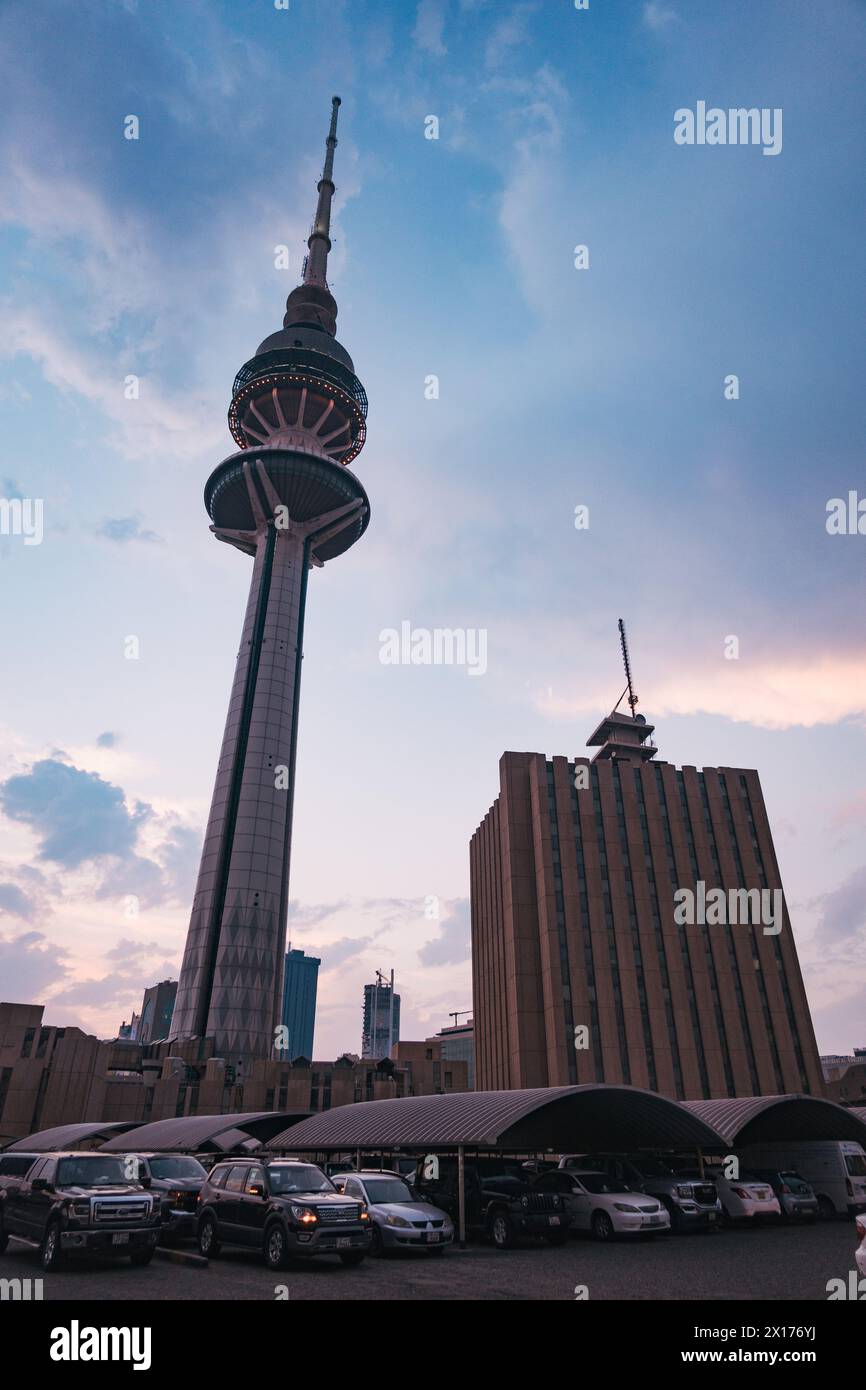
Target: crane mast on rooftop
[{"x": 632, "y": 697}]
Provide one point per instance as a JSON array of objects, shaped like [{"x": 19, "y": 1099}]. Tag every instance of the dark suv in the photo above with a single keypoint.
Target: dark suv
[
  {"x": 175, "y": 1181},
  {"x": 283, "y": 1208},
  {"x": 80, "y": 1203},
  {"x": 501, "y": 1201}
]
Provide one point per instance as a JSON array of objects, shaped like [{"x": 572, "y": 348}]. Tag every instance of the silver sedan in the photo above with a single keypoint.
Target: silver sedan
[{"x": 400, "y": 1220}]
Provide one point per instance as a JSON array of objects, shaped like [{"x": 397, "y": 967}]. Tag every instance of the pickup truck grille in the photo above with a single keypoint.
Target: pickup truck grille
[
  {"x": 110, "y": 1210},
  {"x": 333, "y": 1214},
  {"x": 543, "y": 1201}
]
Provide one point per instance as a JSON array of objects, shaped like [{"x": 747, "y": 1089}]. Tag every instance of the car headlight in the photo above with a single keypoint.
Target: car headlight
[
  {"x": 624, "y": 1206},
  {"x": 685, "y": 1192},
  {"x": 79, "y": 1211},
  {"x": 524, "y": 1201},
  {"x": 304, "y": 1215},
  {"x": 391, "y": 1220},
  {"x": 557, "y": 1200}
]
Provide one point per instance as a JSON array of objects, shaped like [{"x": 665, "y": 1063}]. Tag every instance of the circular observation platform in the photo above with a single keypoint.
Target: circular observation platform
[{"x": 306, "y": 485}]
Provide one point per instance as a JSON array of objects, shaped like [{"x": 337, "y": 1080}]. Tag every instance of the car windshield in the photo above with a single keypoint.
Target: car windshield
[
  {"x": 656, "y": 1168},
  {"x": 796, "y": 1183},
  {"x": 856, "y": 1165},
  {"x": 597, "y": 1182},
  {"x": 387, "y": 1190},
  {"x": 92, "y": 1172},
  {"x": 298, "y": 1178},
  {"x": 176, "y": 1166}
]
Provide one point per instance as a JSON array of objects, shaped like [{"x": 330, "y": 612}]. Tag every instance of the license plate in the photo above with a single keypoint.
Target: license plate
[
  {"x": 432, "y": 1237},
  {"x": 343, "y": 1242},
  {"x": 120, "y": 1238},
  {"x": 654, "y": 1220},
  {"x": 554, "y": 1220}
]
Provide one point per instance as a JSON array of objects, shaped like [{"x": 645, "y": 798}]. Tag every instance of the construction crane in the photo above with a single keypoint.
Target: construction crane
[{"x": 460, "y": 1014}]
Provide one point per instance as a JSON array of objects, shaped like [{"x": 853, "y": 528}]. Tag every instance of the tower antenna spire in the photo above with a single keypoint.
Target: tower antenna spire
[
  {"x": 319, "y": 241},
  {"x": 632, "y": 697}
]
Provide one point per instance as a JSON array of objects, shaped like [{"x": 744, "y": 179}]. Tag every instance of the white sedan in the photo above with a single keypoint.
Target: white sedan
[
  {"x": 860, "y": 1255},
  {"x": 598, "y": 1204},
  {"x": 747, "y": 1198}
]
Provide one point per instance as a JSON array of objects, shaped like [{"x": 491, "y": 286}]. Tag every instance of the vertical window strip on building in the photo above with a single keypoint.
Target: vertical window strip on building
[
  {"x": 777, "y": 944},
  {"x": 564, "y": 966},
  {"x": 609, "y": 925},
  {"x": 761, "y": 982},
  {"x": 659, "y": 936},
  {"x": 586, "y": 933},
  {"x": 683, "y": 937},
  {"x": 708, "y": 946},
  {"x": 640, "y": 973}
]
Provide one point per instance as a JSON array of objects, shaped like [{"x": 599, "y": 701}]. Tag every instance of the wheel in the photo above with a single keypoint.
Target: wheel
[
  {"x": 501, "y": 1230},
  {"x": 50, "y": 1254},
  {"x": 352, "y": 1257},
  {"x": 602, "y": 1226},
  {"x": 141, "y": 1257},
  {"x": 276, "y": 1247},
  {"x": 826, "y": 1209},
  {"x": 208, "y": 1241},
  {"x": 376, "y": 1246}
]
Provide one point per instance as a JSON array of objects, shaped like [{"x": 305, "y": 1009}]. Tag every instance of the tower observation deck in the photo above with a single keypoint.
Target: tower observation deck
[{"x": 287, "y": 498}]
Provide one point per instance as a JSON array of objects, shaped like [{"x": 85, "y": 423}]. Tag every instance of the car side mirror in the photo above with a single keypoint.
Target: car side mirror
[
  {"x": 39, "y": 1185},
  {"x": 256, "y": 1189},
  {"x": 146, "y": 1180}
]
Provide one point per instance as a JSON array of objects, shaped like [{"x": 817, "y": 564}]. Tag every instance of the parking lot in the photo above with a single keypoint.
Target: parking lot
[{"x": 779, "y": 1263}]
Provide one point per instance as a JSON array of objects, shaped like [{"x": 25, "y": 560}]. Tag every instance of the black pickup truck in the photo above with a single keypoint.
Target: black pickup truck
[
  {"x": 80, "y": 1204},
  {"x": 501, "y": 1201}
]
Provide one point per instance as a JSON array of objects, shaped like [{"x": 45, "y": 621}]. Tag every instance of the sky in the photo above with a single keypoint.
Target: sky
[{"x": 556, "y": 388}]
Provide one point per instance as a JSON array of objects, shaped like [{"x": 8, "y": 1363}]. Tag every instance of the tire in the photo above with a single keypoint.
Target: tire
[
  {"x": 352, "y": 1257},
  {"x": 276, "y": 1247},
  {"x": 208, "y": 1240},
  {"x": 501, "y": 1230},
  {"x": 826, "y": 1209},
  {"x": 377, "y": 1247},
  {"x": 140, "y": 1258},
  {"x": 602, "y": 1226},
  {"x": 50, "y": 1254}
]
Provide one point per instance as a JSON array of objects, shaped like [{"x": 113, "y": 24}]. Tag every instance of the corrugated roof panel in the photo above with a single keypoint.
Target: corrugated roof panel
[
  {"x": 756, "y": 1119},
  {"x": 69, "y": 1136}
]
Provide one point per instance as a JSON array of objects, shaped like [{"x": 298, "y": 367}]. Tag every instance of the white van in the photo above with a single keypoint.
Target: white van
[{"x": 834, "y": 1168}]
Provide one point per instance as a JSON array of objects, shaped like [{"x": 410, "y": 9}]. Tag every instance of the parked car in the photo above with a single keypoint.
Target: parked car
[
  {"x": 747, "y": 1198},
  {"x": 835, "y": 1170},
  {"x": 175, "y": 1180},
  {"x": 860, "y": 1254},
  {"x": 15, "y": 1165},
  {"x": 400, "y": 1219},
  {"x": 692, "y": 1203},
  {"x": 795, "y": 1197},
  {"x": 603, "y": 1206},
  {"x": 80, "y": 1204},
  {"x": 502, "y": 1203},
  {"x": 283, "y": 1208}
]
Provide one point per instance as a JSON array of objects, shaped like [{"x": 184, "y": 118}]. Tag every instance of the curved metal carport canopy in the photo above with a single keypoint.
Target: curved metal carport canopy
[
  {"x": 196, "y": 1133},
  {"x": 560, "y": 1118},
  {"x": 762, "y": 1119},
  {"x": 69, "y": 1136}
]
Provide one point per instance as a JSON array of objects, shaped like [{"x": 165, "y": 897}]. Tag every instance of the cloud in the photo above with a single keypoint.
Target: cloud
[
  {"x": 76, "y": 815},
  {"x": 453, "y": 944},
  {"x": 15, "y": 902},
  {"x": 125, "y": 528},
  {"x": 29, "y": 967},
  {"x": 658, "y": 16},
  {"x": 107, "y": 740},
  {"x": 339, "y": 952},
  {"x": 509, "y": 33},
  {"x": 310, "y": 914},
  {"x": 429, "y": 24},
  {"x": 843, "y": 912}
]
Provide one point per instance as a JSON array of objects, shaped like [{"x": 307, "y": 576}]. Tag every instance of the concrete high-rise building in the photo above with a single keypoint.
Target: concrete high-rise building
[
  {"x": 458, "y": 1045},
  {"x": 585, "y": 966},
  {"x": 288, "y": 499},
  {"x": 157, "y": 1009},
  {"x": 381, "y": 1018},
  {"x": 300, "y": 985}
]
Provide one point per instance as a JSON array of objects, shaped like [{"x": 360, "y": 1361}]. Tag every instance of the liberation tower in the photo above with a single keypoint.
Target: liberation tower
[{"x": 289, "y": 499}]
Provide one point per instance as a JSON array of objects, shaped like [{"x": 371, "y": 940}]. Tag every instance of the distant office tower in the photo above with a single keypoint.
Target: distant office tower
[
  {"x": 458, "y": 1045},
  {"x": 582, "y": 971},
  {"x": 288, "y": 499},
  {"x": 300, "y": 985},
  {"x": 381, "y": 1018},
  {"x": 157, "y": 1009}
]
